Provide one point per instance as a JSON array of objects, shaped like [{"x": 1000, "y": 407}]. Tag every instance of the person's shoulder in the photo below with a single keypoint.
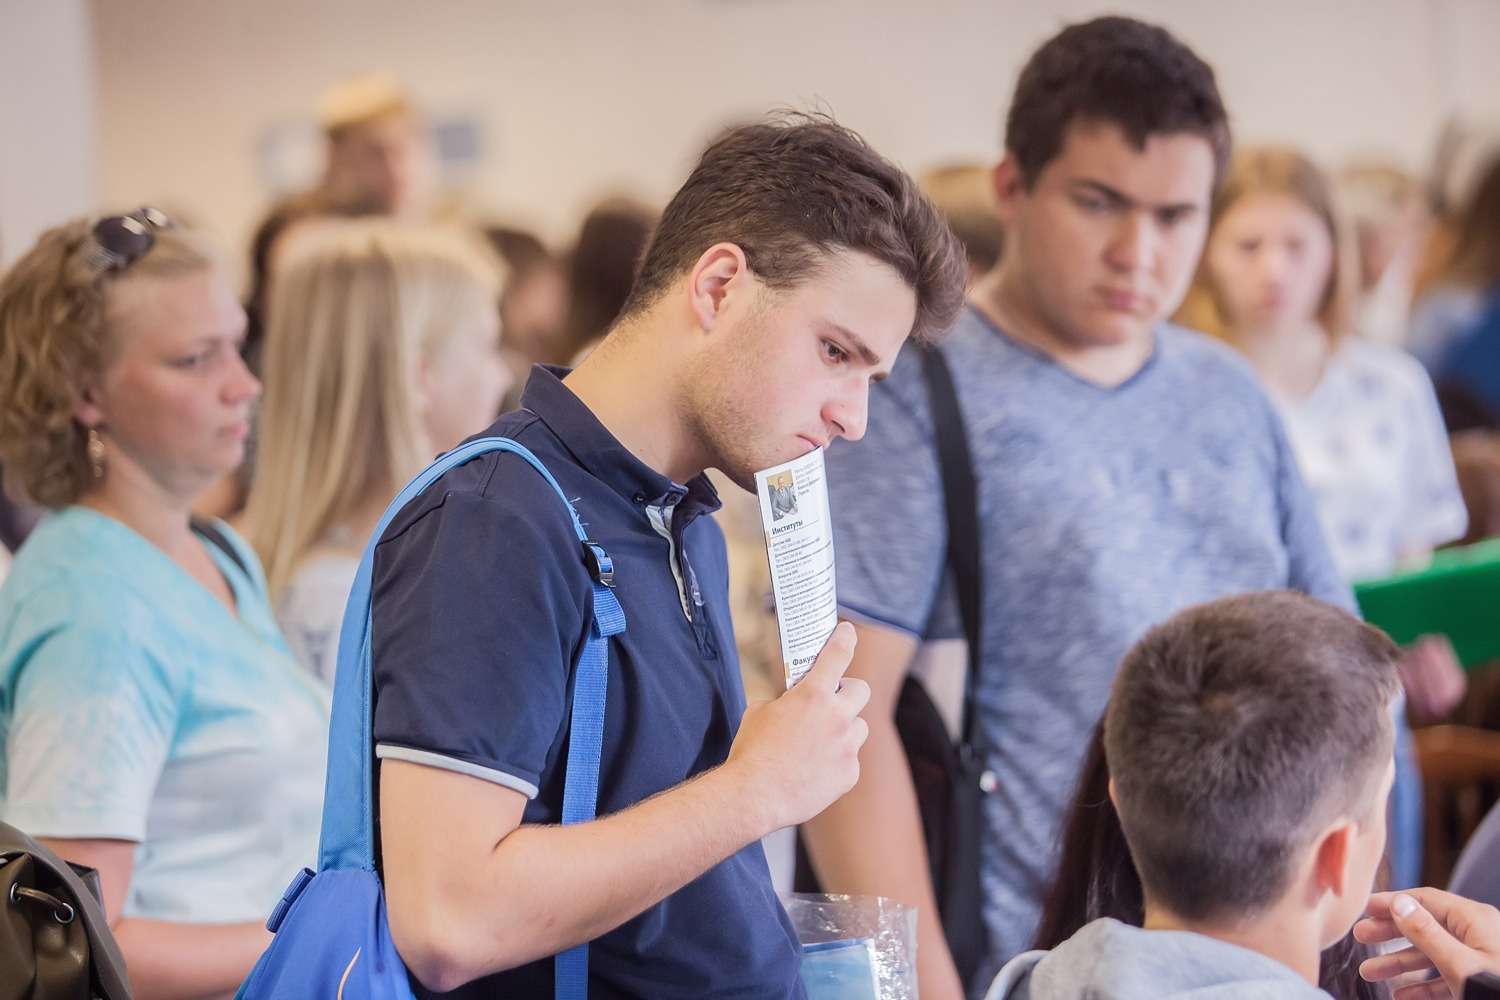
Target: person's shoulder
[
  {"x": 318, "y": 582},
  {"x": 72, "y": 556},
  {"x": 1381, "y": 366},
  {"x": 1192, "y": 348},
  {"x": 86, "y": 622},
  {"x": 500, "y": 483},
  {"x": 1208, "y": 367},
  {"x": 493, "y": 513}
]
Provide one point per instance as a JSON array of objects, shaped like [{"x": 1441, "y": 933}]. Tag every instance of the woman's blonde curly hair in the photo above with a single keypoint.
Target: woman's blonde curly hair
[{"x": 54, "y": 340}]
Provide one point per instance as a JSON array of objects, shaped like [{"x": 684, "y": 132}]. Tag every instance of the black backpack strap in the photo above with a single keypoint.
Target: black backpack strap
[
  {"x": 961, "y": 502},
  {"x": 210, "y": 532}
]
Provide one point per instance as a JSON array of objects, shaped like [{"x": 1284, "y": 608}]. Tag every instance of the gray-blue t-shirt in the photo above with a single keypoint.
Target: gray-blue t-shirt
[{"x": 1102, "y": 512}]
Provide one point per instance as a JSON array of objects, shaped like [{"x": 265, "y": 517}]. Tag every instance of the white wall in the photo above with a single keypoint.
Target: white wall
[
  {"x": 579, "y": 97},
  {"x": 48, "y": 129}
]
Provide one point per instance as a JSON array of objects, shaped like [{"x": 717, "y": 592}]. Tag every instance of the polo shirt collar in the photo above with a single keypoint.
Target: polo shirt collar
[{"x": 601, "y": 453}]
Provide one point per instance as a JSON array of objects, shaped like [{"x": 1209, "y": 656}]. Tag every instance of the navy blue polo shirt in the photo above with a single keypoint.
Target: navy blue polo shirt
[{"x": 482, "y": 602}]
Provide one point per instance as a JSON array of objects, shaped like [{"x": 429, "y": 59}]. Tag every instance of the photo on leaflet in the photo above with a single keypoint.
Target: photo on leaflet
[{"x": 781, "y": 490}]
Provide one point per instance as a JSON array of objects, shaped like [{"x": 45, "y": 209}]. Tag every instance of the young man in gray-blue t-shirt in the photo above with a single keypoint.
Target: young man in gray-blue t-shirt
[{"x": 1125, "y": 469}]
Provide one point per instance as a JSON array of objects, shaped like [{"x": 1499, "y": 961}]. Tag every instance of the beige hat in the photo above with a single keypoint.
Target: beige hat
[{"x": 362, "y": 99}]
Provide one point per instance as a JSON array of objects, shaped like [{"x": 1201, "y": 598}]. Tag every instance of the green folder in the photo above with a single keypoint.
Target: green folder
[{"x": 1457, "y": 595}]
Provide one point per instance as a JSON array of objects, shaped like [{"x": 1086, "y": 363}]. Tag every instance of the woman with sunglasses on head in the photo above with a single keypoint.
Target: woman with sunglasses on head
[
  {"x": 153, "y": 724},
  {"x": 1362, "y": 417}
]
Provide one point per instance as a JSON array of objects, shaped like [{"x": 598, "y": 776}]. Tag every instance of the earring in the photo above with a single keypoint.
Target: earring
[{"x": 95, "y": 450}]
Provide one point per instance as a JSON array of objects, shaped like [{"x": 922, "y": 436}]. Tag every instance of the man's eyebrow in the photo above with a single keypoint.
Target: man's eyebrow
[
  {"x": 1125, "y": 201},
  {"x": 856, "y": 344}
]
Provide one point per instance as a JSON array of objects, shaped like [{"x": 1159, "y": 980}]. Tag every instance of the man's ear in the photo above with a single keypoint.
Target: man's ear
[
  {"x": 1113, "y": 799},
  {"x": 1333, "y": 853},
  {"x": 719, "y": 274},
  {"x": 1009, "y": 186}
]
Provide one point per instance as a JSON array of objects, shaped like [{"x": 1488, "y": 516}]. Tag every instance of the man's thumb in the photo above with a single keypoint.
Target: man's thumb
[{"x": 1423, "y": 930}]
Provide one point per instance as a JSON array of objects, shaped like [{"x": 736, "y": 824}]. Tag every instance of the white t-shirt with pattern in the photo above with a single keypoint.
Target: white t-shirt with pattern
[{"x": 1370, "y": 442}]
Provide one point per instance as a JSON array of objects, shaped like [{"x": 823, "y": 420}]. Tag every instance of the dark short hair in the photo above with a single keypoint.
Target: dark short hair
[
  {"x": 1095, "y": 877},
  {"x": 1235, "y": 731},
  {"x": 1117, "y": 70},
  {"x": 791, "y": 188}
]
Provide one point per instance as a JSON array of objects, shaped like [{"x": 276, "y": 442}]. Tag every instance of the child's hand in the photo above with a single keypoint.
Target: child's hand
[{"x": 1433, "y": 678}]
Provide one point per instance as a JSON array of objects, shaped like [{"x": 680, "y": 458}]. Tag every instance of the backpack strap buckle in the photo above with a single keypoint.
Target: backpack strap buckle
[{"x": 601, "y": 566}]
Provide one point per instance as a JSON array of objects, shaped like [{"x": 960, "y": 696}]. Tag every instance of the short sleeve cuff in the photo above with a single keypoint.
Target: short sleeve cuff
[
  {"x": 861, "y": 617},
  {"x": 388, "y": 751},
  {"x": 76, "y": 823}
]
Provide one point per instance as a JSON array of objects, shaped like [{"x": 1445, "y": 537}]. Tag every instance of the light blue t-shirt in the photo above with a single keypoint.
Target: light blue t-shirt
[
  {"x": 1102, "y": 511},
  {"x": 136, "y": 706}
]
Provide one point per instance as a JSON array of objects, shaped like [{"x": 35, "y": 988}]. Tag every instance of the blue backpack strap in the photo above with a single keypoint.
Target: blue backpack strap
[
  {"x": 348, "y": 836},
  {"x": 585, "y": 744}
]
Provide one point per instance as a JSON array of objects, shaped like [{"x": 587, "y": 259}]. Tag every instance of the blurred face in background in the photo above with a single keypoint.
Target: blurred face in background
[
  {"x": 1270, "y": 263},
  {"x": 174, "y": 402},
  {"x": 1105, "y": 240},
  {"x": 386, "y": 161},
  {"x": 532, "y": 312},
  {"x": 464, "y": 379}
]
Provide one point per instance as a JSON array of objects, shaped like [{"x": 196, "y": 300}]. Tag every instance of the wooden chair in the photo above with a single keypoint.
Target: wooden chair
[{"x": 1460, "y": 781}]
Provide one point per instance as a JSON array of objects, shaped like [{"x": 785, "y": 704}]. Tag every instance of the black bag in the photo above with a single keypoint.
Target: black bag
[
  {"x": 1482, "y": 986},
  {"x": 949, "y": 778},
  {"x": 54, "y": 941}
]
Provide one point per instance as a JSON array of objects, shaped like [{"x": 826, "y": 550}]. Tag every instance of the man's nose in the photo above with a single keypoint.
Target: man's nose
[
  {"x": 848, "y": 414},
  {"x": 1135, "y": 242}
]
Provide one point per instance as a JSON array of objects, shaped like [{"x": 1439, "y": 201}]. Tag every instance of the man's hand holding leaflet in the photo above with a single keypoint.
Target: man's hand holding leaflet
[{"x": 472, "y": 890}]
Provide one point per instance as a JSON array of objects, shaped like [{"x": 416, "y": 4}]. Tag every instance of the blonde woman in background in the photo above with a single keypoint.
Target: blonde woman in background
[
  {"x": 1362, "y": 417},
  {"x": 383, "y": 349},
  {"x": 1276, "y": 282},
  {"x": 153, "y": 724}
]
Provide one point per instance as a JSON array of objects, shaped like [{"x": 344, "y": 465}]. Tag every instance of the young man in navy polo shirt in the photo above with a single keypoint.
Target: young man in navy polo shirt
[{"x": 782, "y": 280}]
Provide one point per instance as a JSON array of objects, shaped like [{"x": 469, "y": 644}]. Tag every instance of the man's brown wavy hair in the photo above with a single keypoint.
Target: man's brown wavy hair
[{"x": 792, "y": 188}]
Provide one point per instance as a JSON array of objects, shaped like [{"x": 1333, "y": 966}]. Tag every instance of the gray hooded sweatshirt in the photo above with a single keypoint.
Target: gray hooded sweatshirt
[{"x": 1108, "y": 960}]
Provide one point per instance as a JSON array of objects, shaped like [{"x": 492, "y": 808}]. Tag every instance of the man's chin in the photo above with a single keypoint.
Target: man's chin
[
  {"x": 1119, "y": 333},
  {"x": 744, "y": 480}
]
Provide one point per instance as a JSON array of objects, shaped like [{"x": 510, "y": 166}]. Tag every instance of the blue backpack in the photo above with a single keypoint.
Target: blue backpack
[{"x": 332, "y": 938}]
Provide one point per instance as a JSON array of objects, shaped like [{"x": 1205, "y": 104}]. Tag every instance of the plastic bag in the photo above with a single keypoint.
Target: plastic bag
[{"x": 856, "y": 947}]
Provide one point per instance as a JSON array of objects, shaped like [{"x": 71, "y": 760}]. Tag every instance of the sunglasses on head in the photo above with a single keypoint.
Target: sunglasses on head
[{"x": 117, "y": 241}]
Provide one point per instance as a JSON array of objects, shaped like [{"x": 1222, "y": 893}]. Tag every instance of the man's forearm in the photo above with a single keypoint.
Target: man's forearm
[
  {"x": 543, "y": 889},
  {"x": 472, "y": 891}
]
